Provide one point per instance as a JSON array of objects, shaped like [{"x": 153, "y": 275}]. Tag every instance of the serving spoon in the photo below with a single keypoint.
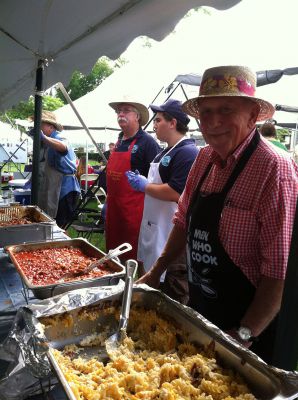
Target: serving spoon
[{"x": 123, "y": 248}]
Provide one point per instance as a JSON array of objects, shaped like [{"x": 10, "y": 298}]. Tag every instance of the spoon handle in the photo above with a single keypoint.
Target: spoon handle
[{"x": 131, "y": 266}]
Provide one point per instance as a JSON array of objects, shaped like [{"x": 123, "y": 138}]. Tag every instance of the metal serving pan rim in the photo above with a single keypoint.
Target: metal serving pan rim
[
  {"x": 56, "y": 244},
  {"x": 47, "y": 220}
]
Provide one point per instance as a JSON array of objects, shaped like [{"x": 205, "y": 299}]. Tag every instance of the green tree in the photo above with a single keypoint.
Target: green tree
[
  {"x": 25, "y": 109},
  {"x": 282, "y": 133},
  {"x": 81, "y": 84}
]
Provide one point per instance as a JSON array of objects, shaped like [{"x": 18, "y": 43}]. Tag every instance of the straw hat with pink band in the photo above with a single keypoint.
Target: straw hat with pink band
[{"x": 228, "y": 81}]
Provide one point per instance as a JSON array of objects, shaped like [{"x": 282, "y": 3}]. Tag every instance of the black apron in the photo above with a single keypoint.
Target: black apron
[{"x": 218, "y": 289}]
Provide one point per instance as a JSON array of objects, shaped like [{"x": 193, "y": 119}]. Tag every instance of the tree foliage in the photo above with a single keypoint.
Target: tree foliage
[
  {"x": 80, "y": 84},
  {"x": 282, "y": 133},
  {"x": 25, "y": 109}
]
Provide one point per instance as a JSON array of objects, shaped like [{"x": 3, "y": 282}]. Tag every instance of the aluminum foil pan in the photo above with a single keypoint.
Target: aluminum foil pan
[
  {"x": 43, "y": 292},
  {"x": 266, "y": 382},
  {"x": 25, "y": 349},
  {"x": 40, "y": 229}
]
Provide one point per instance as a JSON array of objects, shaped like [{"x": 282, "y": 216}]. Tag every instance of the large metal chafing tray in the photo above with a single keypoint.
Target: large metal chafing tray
[
  {"x": 41, "y": 228},
  {"x": 265, "y": 382},
  {"x": 43, "y": 292}
]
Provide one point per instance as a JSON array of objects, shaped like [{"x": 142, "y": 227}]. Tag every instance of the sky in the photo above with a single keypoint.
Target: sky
[
  {"x": 254, "y": 33},
  {"x": 261, "y": 34}
]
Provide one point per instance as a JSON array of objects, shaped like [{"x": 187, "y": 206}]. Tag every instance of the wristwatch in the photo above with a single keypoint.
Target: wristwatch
[{"x": 245, "y": 334}]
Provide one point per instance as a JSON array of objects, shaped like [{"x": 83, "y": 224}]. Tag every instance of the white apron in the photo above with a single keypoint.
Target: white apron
[
  {"x": 156, "y": 222},
  {"x": 50, "y": 189}
]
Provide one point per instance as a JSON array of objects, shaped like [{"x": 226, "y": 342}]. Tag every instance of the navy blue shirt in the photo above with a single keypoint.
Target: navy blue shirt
[
  {"x": 174, "y": 167},
  {"x": 143, "y": 151}
]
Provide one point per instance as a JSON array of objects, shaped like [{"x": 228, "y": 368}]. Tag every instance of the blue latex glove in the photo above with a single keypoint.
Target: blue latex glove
[
  {"x": 130, "y": 177},
  {"x": 137, "y": 182}
]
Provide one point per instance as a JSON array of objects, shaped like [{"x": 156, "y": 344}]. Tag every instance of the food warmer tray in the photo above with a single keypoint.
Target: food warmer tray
[
  {"x": 41, "y": 228},
  {"x": 265, "y": 382},
  {"x": 43, "y": 292}
]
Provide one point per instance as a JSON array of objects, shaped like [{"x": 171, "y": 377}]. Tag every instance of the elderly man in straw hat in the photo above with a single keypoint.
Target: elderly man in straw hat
[
  {"x": 236, "y": 213},
  {"x": 134, "y": 150},
  {"x": 60, "y": 189}
]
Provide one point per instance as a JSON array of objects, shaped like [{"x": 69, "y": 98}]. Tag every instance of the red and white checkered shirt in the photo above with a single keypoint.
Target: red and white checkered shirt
[{"x": 257, "y": 219}]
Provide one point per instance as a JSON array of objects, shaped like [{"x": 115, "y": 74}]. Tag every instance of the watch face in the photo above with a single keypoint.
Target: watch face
[{"x": 244, "y": 333}]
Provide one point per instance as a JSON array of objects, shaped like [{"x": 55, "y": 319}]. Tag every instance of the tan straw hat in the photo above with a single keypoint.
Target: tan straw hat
[
  {"x": 50, "y": 118},
  {"x": 228, "y": 81},
  {"x": 143, "y": 110}
]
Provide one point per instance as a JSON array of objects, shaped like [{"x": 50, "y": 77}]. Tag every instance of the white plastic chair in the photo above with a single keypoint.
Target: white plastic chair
[
  {"x": 85, "y": 178},
  {"x": 100, "y": 196}
]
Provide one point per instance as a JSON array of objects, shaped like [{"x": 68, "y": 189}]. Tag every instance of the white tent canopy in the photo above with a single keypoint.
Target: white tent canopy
[
  {"x": 8, "y": 132},
  {"x": 181, "y": 53},
  {"x": 73, "y": 34},
  {"x": 142, "y": 81},
  {"x": 44, "y": 41}
]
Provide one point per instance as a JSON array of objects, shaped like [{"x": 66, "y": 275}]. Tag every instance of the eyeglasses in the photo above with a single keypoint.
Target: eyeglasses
[{"x": 124, "y": 110}]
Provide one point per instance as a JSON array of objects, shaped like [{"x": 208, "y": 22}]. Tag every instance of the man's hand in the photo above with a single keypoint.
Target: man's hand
[
  {"x": 42, "y": 136},
  {"x": 137, "y": 182},
  {"x": 150, "y": 278}
]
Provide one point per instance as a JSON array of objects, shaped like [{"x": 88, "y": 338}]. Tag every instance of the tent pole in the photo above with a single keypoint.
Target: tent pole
[
  {"x": 152, "y": 102},
  {"x": 286, "y": 343},
  {"x": 37, "y": 129},
  {"x": 86, "y": 168},
  {"x": 68, "y": 99},
  {"x": 151, "y": 119},
  {"x": 184, "y": 92}
]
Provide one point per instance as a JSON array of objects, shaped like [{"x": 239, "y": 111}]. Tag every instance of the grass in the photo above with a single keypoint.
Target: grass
[
  {"x": 97, "y": 239},
  {"x": 10, "y": 167}
]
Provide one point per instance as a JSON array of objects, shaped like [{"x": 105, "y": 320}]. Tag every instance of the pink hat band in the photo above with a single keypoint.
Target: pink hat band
[
  {"x": 228, "y": 81},
  {"x": 226, "y": 84}
]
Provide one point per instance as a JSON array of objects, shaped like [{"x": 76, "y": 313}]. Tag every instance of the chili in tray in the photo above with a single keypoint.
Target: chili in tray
[{"x": 47, "y": 266}]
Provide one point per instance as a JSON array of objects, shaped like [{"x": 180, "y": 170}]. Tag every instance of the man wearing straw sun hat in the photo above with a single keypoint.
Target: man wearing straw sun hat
[
  {"x": 236, "y": 213},
  {"x": 59, "y": 189},
  {"x": 134, "y": 150}
]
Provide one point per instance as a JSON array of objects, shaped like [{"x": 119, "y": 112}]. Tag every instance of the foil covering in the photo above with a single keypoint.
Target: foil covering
[
  {"x": 26, "y": 351},
  {"x": 29, "y": 371},
  {"x": 25, "y": 347}
]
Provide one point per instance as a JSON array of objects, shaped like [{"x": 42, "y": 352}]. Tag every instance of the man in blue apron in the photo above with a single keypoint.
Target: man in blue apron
[
  {"x": 165, "y": 183},
  {"x": 236, "y": 214},
  {"x": 59, "y": 189}
]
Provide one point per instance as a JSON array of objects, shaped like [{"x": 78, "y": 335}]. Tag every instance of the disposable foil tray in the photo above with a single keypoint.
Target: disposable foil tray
[
  {"x": 265, "y": 382},
  {"x": 46, "y": 291},
  {"x": 40, "y": 229}
]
